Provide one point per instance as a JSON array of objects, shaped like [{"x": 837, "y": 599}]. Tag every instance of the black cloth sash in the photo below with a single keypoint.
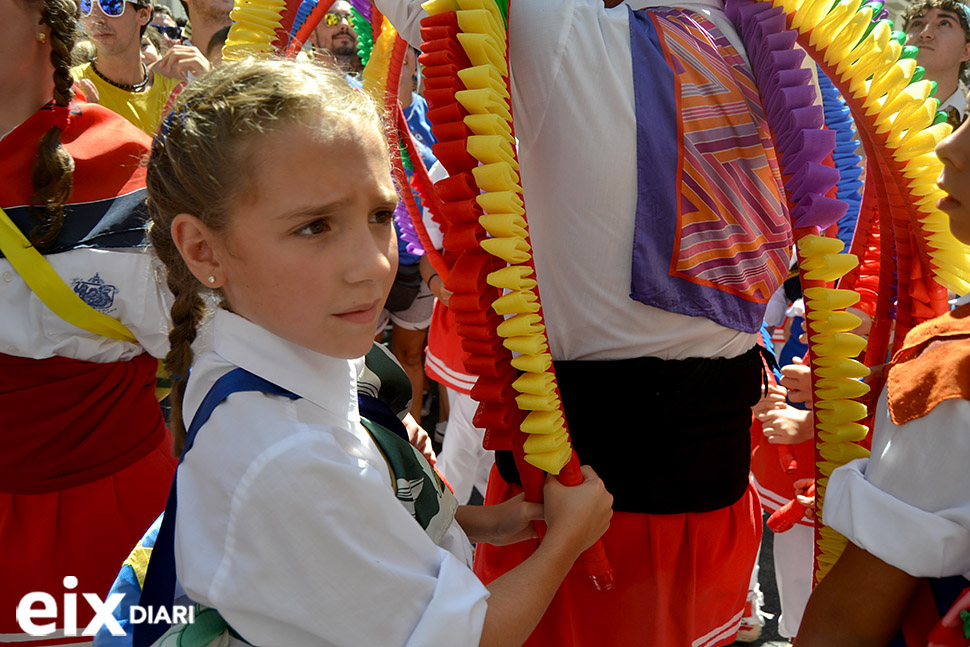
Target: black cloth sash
[{"x": 666, "y": 436}]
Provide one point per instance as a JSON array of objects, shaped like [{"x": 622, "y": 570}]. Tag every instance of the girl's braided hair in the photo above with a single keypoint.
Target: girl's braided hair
[
  {"x": 205, "y": 158},
  {"x": 52, "y": 175}
]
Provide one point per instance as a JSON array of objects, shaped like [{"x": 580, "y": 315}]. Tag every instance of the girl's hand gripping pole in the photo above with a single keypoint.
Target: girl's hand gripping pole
[{"x": 594, "y": 559}]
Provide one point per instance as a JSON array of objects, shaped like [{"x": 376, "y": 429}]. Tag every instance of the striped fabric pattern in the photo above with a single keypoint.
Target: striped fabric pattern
[{"x": 733, "y": 233}]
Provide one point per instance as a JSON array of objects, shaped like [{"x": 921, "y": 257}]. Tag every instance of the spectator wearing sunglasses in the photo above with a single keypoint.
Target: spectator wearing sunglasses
[
  {"x": 335, "y": 38},
  {"x": 206, "y": 17},
  {"x": 120, "y": 79},
  {"x": 150, "y": 48},
  {"x": 163, "y": 24}
]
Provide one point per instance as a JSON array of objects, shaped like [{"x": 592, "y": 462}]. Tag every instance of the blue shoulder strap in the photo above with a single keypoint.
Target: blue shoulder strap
[
  {"x": 159, "y": 588},
  {"x": 376, "y": 410}
]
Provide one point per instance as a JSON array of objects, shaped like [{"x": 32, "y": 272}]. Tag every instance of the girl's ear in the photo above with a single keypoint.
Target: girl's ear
[{"x": 198, "y": 244}]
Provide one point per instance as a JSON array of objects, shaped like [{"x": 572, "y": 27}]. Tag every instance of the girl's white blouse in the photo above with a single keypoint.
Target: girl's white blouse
[{"x": 288, "y": 523}]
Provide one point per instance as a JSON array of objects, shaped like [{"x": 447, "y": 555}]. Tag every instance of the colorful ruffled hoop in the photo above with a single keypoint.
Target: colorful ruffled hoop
[
  {"x": 899, "y": 129},
  {"x": 467, "y": 79}
]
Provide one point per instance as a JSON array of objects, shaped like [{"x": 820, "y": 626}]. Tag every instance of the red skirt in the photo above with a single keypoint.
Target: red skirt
[
  {"x": 86, "y": 531},
  {"x": 681, "y": 579}
]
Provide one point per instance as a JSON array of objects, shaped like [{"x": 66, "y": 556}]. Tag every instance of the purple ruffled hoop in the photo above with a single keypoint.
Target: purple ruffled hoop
[
  {"x": 362, "y": 6},
  {"x": 405, "y": 227},
  {"x": 794, "y": 113}
]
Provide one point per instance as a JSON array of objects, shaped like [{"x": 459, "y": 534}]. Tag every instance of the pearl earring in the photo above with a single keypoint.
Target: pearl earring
[{"x": 212, "y": 280}]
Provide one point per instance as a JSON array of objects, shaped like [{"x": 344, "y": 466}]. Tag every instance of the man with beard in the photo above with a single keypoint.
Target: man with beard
[{"x": 335, "y": 39}]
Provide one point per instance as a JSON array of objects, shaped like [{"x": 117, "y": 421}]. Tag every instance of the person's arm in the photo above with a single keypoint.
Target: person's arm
[
  {"x": 797, "y": 378},
  {"x": 576, "y": 517},
  {"x": 88, "y": 89},
  {"x": 774, "y": 399},
  {"x": 520, "y": 597},
  {"x": 419, "y": 438},
  {"x": 501, "y": 524},
  {"x": 858, "y": 604},
  {"x": 907, "y": 505},
  {"x": 433, "y": 280},
  {"x": 787, "y": 426}
]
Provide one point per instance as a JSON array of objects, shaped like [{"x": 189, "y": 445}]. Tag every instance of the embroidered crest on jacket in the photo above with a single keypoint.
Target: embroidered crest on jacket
[{"x": 95, "y": 292}]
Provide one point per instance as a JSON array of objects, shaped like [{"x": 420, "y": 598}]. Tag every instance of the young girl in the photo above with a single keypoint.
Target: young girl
[
  {"x": 270, "y": 188},
  {"x": 86, "y": 459},
  {"x": 906, "y": 509}
]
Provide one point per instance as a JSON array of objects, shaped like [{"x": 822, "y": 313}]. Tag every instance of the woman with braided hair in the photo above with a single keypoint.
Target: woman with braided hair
[{"x": 86, "y": 459}]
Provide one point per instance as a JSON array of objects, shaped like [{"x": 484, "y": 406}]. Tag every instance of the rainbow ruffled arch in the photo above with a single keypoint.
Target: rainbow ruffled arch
[
  {"x": 381, "y": 76},
  {"x": 915, "y": 255}
]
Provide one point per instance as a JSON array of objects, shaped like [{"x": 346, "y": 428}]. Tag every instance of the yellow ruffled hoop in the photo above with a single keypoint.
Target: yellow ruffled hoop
[
  {"x": 872, "y": 71},
  {"x": 254, "y": 29},
  {"x": 486, "y": 95},
  {"x": 378, "y": 66},
  {"x": 836, "y": 385}
]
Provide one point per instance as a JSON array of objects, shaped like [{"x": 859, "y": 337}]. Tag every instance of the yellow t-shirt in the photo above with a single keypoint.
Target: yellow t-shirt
[{"x": 144, "y": 109}]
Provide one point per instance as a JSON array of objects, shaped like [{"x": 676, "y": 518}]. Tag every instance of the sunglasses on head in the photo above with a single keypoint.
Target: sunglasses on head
[
  {"x": 173, "y": 32},
  {"x": 110, "y": 8},
  {"x": 333, "y": 18}
]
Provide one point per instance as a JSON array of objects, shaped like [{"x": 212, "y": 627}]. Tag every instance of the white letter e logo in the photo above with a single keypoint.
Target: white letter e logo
[{"x": 26, "y": 615}]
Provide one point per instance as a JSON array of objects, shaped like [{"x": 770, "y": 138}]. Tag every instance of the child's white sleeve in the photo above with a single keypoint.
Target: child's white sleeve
[
  {"x": 406, "y": 16},
  {"x": 909, "y": 503}
]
